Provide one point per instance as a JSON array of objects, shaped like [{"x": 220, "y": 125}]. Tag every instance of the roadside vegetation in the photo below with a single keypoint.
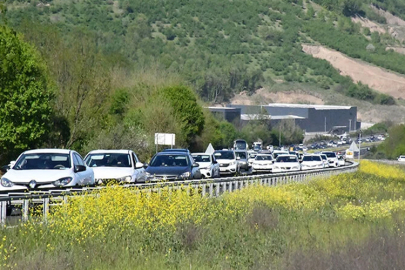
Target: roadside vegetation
[{"x": 335, "y": 221}]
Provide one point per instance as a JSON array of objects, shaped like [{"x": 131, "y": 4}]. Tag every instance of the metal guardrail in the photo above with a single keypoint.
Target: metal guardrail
[{"x": 207, "y": 187}]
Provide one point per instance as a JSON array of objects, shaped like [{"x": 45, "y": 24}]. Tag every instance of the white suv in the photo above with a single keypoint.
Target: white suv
[
  {"x": 122, "y": 166},
  {"x": 228, "y": 164},
  {"x": 332, "y": 159}
]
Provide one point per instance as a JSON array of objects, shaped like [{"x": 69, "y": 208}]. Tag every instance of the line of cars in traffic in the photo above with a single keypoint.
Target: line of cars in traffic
[{"x": 54, "y": 168}]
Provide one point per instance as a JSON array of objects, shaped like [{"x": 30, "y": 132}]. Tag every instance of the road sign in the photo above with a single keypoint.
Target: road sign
[
  {"x": 165, "y": 139},
  {"x": 353, "y": 147}
]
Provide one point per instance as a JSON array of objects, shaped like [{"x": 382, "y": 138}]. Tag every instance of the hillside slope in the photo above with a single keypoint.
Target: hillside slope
[{"x": 225, "y": 48}]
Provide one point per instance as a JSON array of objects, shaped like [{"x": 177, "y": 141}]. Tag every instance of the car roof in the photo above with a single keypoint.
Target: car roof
[
  {"x": 172, "y": 153},
  {"x": 287, "y": 156},
  {"x": 176, "y": 150},
  {"x": 264, "y": 154},
  {"x": 201, "y": 154},
  {"x": 110, "y": 151},
  {"x": 48, "y": 150}
]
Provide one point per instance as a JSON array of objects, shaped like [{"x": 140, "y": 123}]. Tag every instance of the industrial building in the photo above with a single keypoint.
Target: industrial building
[{"x": 310, "y": 118}]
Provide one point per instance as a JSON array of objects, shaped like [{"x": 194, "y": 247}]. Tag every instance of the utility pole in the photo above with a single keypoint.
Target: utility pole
[{"x": 359, "y": 138}]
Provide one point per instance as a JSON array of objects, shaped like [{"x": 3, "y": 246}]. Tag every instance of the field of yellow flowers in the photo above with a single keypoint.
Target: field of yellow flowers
[{"x": 257, "y": 227}]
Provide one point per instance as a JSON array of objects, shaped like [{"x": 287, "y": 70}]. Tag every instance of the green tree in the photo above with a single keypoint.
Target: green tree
[
  {"x": 186, "y": 109},
  {"x": 25, "y": 95}
]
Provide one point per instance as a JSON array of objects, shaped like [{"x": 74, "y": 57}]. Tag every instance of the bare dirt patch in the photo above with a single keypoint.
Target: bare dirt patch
[
  {"x": 264, "y": 96},
  {"x": 377, "y": 78},
  {"x": 397, "y": 49},
  {"x": 374, "y": 27}
]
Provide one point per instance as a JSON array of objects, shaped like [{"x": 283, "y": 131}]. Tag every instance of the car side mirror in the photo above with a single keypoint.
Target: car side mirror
[
  {"x": 196, "y": 165},
  {"x": 80, "y": 168},
  {"x": 139, "y": 165},
  {"x": 214, "y": 162},
  {"x": 237, "y": 158}
]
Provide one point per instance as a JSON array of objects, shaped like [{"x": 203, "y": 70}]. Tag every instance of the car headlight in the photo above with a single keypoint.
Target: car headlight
[
  {"x": 185, "y": 175},
  {"x": 63, "y": 181},
  {"x": 296, "y": 167},
  {"x": 276, "y": 167},
  {"x": 232, "y": 163},
  {"x": 6, "y": 183},
  {"x": 125, "y": 179}
]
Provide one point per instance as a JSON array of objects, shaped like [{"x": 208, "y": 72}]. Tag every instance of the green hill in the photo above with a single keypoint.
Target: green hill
[{"x": 224, "y": 47}]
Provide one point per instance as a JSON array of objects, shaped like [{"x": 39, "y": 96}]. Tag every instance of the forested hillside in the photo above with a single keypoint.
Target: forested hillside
[
  {"x": 113, "y": 64},
  {"x": 222, "y": 48}
]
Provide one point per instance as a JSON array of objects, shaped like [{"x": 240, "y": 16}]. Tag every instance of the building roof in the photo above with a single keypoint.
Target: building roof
[
  {"x": 268, "y": 117},
  {"x": 309, "y": 106}
]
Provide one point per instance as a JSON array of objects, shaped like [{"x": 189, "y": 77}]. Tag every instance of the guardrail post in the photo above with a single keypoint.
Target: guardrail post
[
  {"x": 217, "y": 190},
  {"x": 204, "y": 187},
  {"x": 3, "y": 213},
  {"x": 211, "y": 190},
  {"x": 25, "y": 207},
  {"x": 46, "y": 209}
]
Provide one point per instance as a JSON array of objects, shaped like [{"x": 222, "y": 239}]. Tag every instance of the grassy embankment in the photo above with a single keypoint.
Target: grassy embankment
[{"x": 344, "y": 221}]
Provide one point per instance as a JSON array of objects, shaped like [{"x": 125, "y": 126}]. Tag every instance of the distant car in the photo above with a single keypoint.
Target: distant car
[
  {"x": 172, "y": 165},
  {"x": 342, "y": 161},
  {"x": 242, "y": 157},
  {"x": 312, "y": 162},
  {"x": 325, "y": 160},
  {"x": 332, "y": 159},
  {"x": 401, "y": 158},
  {"x": 47, "y": 168},
  {"x": 228, "y": 164},
  {"x": 263, "y": 163},
  {"x": 209, "y": 167},
  {"x": 251, "y": 158},
  {"x": 286, "y": 163},
  {"x": 122, "y": 166}
]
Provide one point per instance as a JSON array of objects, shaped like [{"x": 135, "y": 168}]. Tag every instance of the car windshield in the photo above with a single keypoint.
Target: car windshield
[
  {"x": 240, "y": 145},
  {"x": 201, "y": 158},
  {"x": 268, "y": 157},
  {"x": 311, "y": 158},
  {"x": 224, "y": 155},
  {"x": 252, "y": 155},
  {"x": 177, "y": 160},
  {"x": 286, "y": 159},
  {"x": 43, "y": 161},
  {"x": 241, "y": 155},
  {"x": 331, "y": 155},
  {"x": 108, "y": 160}
]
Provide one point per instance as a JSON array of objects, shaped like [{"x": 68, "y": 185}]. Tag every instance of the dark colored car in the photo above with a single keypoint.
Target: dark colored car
[{"x": 172, "y": 165}]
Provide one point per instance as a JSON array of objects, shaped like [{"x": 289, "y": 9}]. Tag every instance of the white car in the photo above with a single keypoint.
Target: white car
[
  {"x": 209, "y": 167},
  {"x": 401, "y": 158},
  {"x": 286, "y": 163},
  {"x": 251, "y": 158},
  {"x": 332, "y": 159},
  {"x": 122, "y": 166},
  {"x": 325, "y": 160},
  {"x": 263, "y": 163},
  {"x": 47, "y": 168},
  {"x": 312, "y": 162},
  {"x": 342, "y": 161},
  {"x": 228, "y": 164}
]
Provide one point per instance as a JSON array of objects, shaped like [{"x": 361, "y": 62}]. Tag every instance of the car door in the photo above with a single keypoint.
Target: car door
[
  {"x": 85, "y": 177},
  {"x": 140, "y": 173}
]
